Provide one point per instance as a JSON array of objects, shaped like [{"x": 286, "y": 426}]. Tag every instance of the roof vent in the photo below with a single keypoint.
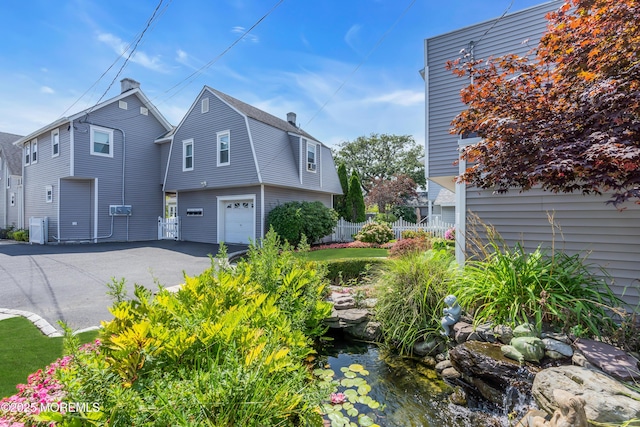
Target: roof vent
[
  {"x": 291, "y": 118},
  {"x": 128, "y": 84}
]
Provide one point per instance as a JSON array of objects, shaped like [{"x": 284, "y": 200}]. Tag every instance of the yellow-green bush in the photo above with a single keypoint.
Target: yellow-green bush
[{"x": 227, "y": 349}]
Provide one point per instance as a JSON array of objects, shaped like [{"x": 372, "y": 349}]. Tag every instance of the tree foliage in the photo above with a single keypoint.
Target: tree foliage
[
  {"x": 340, "y": 201},
  {"x": 355, "y": 207},
  {"x": 566, "y": 116},
  {"x": 380, "y": 156},
  {"x": 388, "y": 193}
]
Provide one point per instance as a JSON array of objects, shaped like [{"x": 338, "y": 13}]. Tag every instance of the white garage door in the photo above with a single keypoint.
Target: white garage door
[{"x": 238, "y": 221}]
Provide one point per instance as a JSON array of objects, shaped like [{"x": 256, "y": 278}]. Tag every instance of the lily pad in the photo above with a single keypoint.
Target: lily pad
[
  {"x": 365, "y": 421},
  {"x": 355, "y": 367}
]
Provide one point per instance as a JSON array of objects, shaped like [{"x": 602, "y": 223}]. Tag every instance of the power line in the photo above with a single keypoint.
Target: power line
[
  {"x": 200, "y": 70},
  {"x": 131, "y": 52},
  {"x": 378, "y": 43}
]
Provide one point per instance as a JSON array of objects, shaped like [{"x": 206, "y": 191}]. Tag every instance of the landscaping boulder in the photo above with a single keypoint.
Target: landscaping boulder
[
  {"x": 487, "y": 372},
  {"x": 606, "y": 400},
  {"x": 554, "y": 345},
  {"x": 609, "y": 359},
  {"x": 524, "y": 348}
]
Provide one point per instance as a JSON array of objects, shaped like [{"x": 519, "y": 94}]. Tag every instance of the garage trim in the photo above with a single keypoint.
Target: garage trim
[{"x": 221, "y": 200}]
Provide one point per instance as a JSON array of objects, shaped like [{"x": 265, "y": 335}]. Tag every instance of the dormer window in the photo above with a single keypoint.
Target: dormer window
[{"x": 311, "y": 156}]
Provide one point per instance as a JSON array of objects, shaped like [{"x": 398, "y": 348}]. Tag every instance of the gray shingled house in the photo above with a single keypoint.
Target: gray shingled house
[
  {"x": 228, "y": 164},
  {"x": 10, "y": 181},
  {"x": 587, "y": 223},
  {"x": 95, "y": 175}
]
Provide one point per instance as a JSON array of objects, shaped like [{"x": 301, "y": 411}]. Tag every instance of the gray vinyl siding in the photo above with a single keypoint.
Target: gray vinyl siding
[
  {"x": 164, "y": 158},
  {"x": 76, "y": 209},
  {"x": 142, "y": 188},
  {"x": 330, "y": 180},
  {"x": 46, "y": 171},
  {"x": 277, "y": 161},
  {"x": 294, "y": 143},
  {"x": 205, "y": 228},
  {"x": 203, "y": 129},
  {"x": 585, "y": 225},
  {"x": 444, "y": 88}
]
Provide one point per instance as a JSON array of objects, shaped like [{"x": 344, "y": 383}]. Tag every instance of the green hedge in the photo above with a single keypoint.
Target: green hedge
[{"x": 345, "y": 271}]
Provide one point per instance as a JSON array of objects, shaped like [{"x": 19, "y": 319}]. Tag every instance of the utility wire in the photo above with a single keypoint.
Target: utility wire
[
  {"x": 378, "y": 43},
  {"x": 189, "y": 79},
  {"x": 131, "y": 52}
]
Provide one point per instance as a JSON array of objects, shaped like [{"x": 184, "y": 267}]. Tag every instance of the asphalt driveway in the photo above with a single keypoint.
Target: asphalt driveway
[{"x": 68, "y": 282}]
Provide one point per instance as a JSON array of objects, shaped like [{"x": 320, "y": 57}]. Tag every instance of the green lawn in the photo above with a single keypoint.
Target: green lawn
[
  {"x": 24, "y": 350},
  {"x": 327, "y": 254}
]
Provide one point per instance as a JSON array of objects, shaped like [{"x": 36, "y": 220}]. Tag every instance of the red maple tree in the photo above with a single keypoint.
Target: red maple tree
[{"x": 566, "y": 117}]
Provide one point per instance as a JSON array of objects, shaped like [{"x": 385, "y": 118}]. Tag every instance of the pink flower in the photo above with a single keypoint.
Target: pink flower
[{"x": 337, "y": 398}]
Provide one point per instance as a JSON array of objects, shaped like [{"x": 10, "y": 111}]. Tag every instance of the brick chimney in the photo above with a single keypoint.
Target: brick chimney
[{"x": 128, "y": 84}]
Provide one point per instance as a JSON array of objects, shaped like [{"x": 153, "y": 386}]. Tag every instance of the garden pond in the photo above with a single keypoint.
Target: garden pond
[{"x": 398, "y": 392}]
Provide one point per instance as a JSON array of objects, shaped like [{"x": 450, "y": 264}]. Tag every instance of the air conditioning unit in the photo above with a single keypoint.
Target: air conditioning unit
[
  {"x": 311, "y": 166},
  {"x": 120, "y": 210}
]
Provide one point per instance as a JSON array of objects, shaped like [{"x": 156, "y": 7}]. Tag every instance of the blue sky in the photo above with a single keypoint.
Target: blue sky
[{"x": 54, "y": 52}]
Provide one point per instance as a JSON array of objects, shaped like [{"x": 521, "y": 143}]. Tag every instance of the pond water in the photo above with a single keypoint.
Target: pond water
[{"x": 410, "y": 394}]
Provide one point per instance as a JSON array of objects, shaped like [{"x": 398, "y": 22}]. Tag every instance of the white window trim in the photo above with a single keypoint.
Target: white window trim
[
  {"x": 48, "y": 194},
  {"x": 315, "y": 157},
  {"x": 54, "y": 133},
  {"x": 204, "y": 107},
  {"x": 27, "y": 154},
  {"x": 34, "y": 150},
  {"x": 185, "y": 143},
  {"x": 111, "y": 142},
  {"x": 220, "y": 135}
]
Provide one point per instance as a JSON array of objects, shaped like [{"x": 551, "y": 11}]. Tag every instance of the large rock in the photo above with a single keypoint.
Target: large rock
[
  {"x": 488, "y": 373},
  {"x": 611, "y": 360},
  {"x": 607, "y": 401},
  {"x": 367, "y": 330}
]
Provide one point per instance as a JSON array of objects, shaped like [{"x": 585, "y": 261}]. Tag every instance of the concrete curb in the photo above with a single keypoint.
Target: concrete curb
[{"x": 44, "y": 326}]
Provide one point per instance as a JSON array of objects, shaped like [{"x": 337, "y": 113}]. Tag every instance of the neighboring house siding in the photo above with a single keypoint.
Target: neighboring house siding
[
  {"x": 203, "y": 128},
  {"x": 586, "y": 224},
  {"x": 444, "y": 87},
  {"x": 142, "y": 189},
  {"x": 46, "y": 172},
  {"x": 205, "y": 228}
]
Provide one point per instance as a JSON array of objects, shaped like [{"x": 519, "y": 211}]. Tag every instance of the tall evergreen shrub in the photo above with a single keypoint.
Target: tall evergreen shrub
[{"x": 355, "y": 200}]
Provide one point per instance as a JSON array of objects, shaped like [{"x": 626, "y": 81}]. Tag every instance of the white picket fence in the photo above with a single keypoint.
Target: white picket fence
[
  {"x": 169, "y": 228},
  {"x": 345, "y": 230}
]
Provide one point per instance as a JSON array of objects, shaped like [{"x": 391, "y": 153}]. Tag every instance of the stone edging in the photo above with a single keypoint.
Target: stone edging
[{"x": 44, "y": 326}]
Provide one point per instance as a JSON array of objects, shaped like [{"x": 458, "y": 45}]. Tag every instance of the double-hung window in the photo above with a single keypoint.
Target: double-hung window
[
  {"x": 224, "y": 148},
  {"x": 311, "y": 156},
  {"x": 101, "y": 141},
  {"x": 34, "y": 151},
  {"x": 48, "y": 197},
  {"x": 27, "y": 154},
  {"x": 55, "y": 143},
  {"x": 187, "y": 155}
]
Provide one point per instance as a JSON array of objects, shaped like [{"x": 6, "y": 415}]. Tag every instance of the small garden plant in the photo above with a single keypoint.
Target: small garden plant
[{"x": 374, "y": 232}]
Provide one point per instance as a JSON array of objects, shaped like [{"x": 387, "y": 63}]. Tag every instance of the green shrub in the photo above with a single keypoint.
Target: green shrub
[
  {"x": 440, "y": 243},
  {"x": 375, "y": 233},
  {"x": 385, "y": 218},
  {"x": 20, "y": 235},
  {"x": 407, "y": 213},
  {"x": 416, "y": 234},
  {"x": 227, "y": 349},
  {"x": 354, "y": 270},
  {"x": 7, "y": 233},
  {"x": 293, "y": 219},
  {"x": 406, "y": 246},
  {"x": 410, "y": 295},
  {"x": 511, "y": 285}
]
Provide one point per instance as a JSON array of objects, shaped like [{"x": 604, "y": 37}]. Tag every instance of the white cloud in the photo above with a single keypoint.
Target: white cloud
[
  {"x": 250, "y": 37},
  {"x": 47, "y": 89},
  {"x": 351, "y": 37},
  {"x": 405, "y": 98},
  {"x": 182, "y": 56},
  {"x": 139, "y": 57}
]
